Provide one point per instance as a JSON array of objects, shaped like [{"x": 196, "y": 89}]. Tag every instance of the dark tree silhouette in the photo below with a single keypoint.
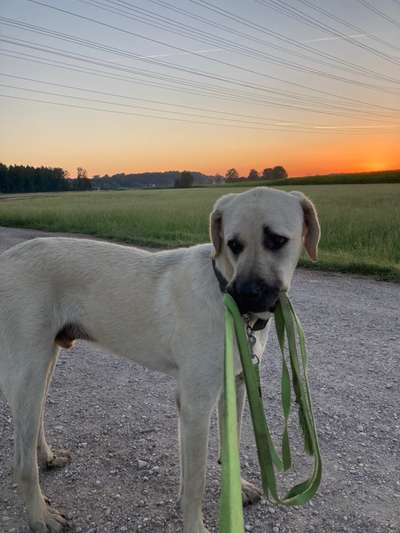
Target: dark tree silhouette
[
  {"x": 81, "y": 173},
  {"x": 82, "y": 182},
  {"x": 231, "y": 175},
  {"x": 267, "y": 174},
  {"x": 279, "y": 173},
  {"x": 185, "y": 180},
  {"x": 20, "y": 179},
  {"x": 253, "y": 174}
]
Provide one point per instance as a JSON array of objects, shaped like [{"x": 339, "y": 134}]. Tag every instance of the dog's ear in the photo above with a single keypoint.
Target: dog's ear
[
  {"x": 216, "y": 221},
  {"x": 216, "y": 230},
  {"x": 311, "y": 228}
]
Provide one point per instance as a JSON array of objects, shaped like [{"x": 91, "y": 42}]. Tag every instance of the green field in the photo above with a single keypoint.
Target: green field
[{"x": 360, "y": 223}]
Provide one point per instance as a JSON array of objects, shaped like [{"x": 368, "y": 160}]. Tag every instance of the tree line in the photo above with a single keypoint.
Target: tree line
[
  {"x": 185, "y": 179},
  {"x": 25, "y": 179},
  {"x": 275, "y": 173}
]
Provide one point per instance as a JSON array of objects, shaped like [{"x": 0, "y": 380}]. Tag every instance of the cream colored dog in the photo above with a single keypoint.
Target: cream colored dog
[{"x": 163, "y": 310}]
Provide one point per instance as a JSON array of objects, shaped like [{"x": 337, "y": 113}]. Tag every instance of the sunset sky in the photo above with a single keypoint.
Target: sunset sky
[{"x": 150, "y": 85}]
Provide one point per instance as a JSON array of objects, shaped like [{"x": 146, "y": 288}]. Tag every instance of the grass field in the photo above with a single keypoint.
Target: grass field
[{"x": 360, "y": 223}]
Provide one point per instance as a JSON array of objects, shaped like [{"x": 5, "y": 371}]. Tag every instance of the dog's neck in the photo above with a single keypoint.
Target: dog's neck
[{"x": 222, "y": 281}]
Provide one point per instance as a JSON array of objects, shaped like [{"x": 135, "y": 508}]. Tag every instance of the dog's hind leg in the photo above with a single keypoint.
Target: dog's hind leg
[
  {"x": 250, "y": 493},
  {"x": 25, "y": 393},
  {"x": 48, "y": 457}
]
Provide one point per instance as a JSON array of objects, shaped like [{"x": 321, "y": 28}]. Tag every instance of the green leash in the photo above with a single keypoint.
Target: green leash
[{"x": 287, "y": 327}]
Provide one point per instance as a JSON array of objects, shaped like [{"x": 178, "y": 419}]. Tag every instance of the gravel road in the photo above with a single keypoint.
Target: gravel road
[{"x": 119, "y": 421}]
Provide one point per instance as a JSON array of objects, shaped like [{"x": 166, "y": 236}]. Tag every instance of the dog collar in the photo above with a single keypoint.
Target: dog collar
[
  {"x": 260, "y": 323},
  {"x": 222, "y": 282}
]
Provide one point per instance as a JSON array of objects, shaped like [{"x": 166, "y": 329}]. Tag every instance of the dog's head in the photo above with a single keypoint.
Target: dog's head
[{"x": 258, "y": 237}]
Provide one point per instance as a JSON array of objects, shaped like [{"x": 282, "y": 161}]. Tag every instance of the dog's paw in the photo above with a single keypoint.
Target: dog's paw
[
  {"x": 58, "y": 459},
  {"x": 50, "y": 521},
  {"x": 250, "y": 493}
]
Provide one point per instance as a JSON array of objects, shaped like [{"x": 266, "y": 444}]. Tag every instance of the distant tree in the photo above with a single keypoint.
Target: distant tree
[
  {"x": 82, "y": 182},
  {"x": 267, "y": 174},
  {"x": 253, "y": 174},
  {"x": 81, "y": 173},
  {"x": 185, "y": 180},
  {"x": 231, "y": 175},
  {"x": 3, "y": 177},
  {"x": 279, "y": 173}
]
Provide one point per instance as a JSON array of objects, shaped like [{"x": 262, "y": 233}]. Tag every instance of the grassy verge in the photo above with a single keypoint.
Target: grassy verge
[{"x": 360, "y": 223}]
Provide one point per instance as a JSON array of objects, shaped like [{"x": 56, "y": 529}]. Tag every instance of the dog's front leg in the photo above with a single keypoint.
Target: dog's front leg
[{"x": 194, "y": 420}]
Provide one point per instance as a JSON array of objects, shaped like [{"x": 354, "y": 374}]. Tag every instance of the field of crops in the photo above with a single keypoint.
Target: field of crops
[{"x": 360, "y": 223}]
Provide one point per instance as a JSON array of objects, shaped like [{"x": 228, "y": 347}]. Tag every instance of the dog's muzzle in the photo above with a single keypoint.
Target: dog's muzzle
[{"x": 254, "y": 296}]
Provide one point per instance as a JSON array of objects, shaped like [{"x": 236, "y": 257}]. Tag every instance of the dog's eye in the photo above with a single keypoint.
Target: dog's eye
[
  {"x": 235, "y": 246},
  {"x": 273, "y": 241}
]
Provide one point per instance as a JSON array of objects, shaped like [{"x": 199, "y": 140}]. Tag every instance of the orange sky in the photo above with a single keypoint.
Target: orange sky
[
  {"x": 68, "y": 104},
  {"x": 157, "y": 149}
]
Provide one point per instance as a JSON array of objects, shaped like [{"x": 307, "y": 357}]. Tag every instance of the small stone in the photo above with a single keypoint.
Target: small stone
[
  {"x": 360, "y": 428},
  {"x": 142, "y": 464},
  {"x": 275, "y": 529}
]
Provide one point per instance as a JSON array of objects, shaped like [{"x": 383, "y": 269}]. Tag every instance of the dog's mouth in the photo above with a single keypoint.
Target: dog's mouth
[
  {"x": 261, "y": 311},
  {"x": 260, "y": 303}
]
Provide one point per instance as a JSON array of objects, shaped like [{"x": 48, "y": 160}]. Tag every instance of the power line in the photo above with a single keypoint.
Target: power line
[
  {"x": 257, "y": 119},
  {"x": 254, "y": 119},
  {"x": 180, "y": 49},
  {"x": 167, "y": 24},
  {"x": 236, "y": 82},
  {"x": 201, "y": 90},
  {"x": 348, "y": 24},
  {"x": 118, "y": 66},
  {"x": 317, "y": 129},
  {"x": 380, "y": 13},
  {"x": 124, "y": 68},
  {"x": 144, "y": 108},
  {"x": 224, "y": 96},
  {"x": 297, "y": 14},
  {"x": 333, "y": 60}
]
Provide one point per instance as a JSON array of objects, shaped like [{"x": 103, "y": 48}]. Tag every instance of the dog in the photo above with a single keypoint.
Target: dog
[{"x": 163, "y": 310}]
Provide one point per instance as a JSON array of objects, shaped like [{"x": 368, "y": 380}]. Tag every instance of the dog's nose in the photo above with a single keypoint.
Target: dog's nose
[
  {"x": 249, "y": 289},
  {"x": 252, "y": 296}
]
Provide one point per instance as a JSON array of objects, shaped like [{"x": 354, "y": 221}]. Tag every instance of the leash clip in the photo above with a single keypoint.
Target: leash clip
[{"x": 252, "y": 339}]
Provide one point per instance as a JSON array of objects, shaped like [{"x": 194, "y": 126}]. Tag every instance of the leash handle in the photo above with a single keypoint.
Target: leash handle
[
  {"x": 287, "y": 326},
  {"x": 231, "y": 506}
]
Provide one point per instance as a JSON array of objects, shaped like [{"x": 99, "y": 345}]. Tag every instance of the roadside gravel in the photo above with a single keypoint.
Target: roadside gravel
[{"x": 119, "y": 421}]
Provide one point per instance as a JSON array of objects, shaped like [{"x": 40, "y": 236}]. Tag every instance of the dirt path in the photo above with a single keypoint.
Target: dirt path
[{"x": 119, "y": 420}]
